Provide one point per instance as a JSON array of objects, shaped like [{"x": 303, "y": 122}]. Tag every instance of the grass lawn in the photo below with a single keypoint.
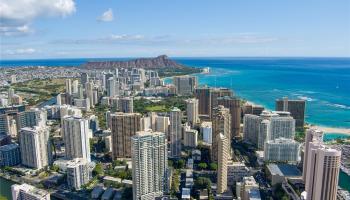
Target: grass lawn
[
  {"x": 156, "y": 108},
  {"x": 39, "y": 90}
]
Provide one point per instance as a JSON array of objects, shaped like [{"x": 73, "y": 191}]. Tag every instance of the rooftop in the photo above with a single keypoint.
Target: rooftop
[
  {"x": 9, "y": 147},
  {"x": 186, "y": 193},
  {"x": 284, "y": 170}
]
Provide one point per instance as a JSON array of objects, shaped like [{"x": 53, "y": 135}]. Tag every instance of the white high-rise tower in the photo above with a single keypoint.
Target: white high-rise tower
[
  {"x": 149, "y": 164},
  {"x": 76, "y": 137}
]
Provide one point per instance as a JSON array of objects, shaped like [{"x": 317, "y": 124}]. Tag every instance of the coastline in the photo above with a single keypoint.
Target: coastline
[
  {"x": 326, "y": 129},
  {"x": 332, "y": 130}
]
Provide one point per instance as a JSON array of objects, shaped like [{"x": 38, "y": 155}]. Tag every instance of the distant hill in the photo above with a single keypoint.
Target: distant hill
[{"x": 159, "y": 62}]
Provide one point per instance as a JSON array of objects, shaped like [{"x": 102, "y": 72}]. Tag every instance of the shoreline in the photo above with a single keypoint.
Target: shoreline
[
  {"x": 332, "y": 130},
  {"x": 326, "y": 129}
]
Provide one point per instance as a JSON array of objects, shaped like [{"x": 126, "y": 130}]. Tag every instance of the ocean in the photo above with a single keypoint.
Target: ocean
[{"x": 323, "y": 82}]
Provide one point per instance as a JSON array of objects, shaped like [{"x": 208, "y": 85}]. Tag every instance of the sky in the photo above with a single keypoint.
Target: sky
[{"x": 40, "y": 29}]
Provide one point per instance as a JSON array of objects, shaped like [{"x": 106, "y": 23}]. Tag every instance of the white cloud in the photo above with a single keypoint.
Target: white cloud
[
  {"x": 107, "y": 16},
  {"x": 21, "y": 51},
  {"x": 137, "y": 39},
  {"x": 15, "y": 30},
  {"x": 16, "y": 15},
  {"x": 126, "y": 37}
]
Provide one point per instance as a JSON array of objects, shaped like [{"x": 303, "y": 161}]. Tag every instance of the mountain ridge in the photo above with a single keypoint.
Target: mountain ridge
[{"x": 159, "y": 62}]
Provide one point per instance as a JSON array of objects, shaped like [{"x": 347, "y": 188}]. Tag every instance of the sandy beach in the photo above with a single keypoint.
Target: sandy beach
[
  {"x": 332, "y": 130},
  {"x": 321, "y": 128}
]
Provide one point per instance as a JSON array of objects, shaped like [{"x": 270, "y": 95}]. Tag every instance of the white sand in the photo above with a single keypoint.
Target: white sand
[{"x": 332, "y": 130}]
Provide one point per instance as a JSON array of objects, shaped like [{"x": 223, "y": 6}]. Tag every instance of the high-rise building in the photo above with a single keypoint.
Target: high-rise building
[
  {"x": 76, "y": 137},
  {"x": 146, "y": 124},
  {"x": 175, "y": 132},
  {"x": 192, "y": 111},
  {"x": 203, "y": 96},
  {"x": 123, "y": 127},
  {"x": 32, "y": 117},
  {"x": 84, "y": 78},
  {"x": 310, "y": 136},
  {"x": 126, "y": 105},
  {"x": 89, "y": 90},
  {"x": 5, "y": 124},
  {"x": 282, "y": 150},
  {"x": 206, "y": 130},
  {"x": 95, "y": 96},
  {"x": 105, "y": 80},
  {"x": 322, "y": 173},
  {"x": 221, "y": 125},
  {"x": 282, "y": 125},
  {"x": 10, "y": 155},
  {"x": 215, "y": 94},
  {"x": 149, "y": 165},
  {"x": 78, "y": 173},
  {"x": 191, "y": 138},
  {"x": 28, "y": 192},
  {"x": 248, "y": 108},
  {"x": 10, "y": 94},
  {"x": 234, "y": 104},
  {"x": 66, "y": 110},
  {"x": 267, "y": 126},
  {"x": 208, "y": 98},
  {"x": 251, "y": 128},
  {"x": 13, "y": 78},
  {"x": 69, "y": 86},
  {"x": 162, "y": 125},
  {"x": 295, "y": 107},
  {"x": 80, "y": 93},
  {"x": 223, "y": 157},
  {"x": 112, "y": 87},
  {"x": 83, "y": 104},
  {"x": 185, "y": 85},
  {"x": 35, "y": 147},
  {"x": 75, "y": 86}
]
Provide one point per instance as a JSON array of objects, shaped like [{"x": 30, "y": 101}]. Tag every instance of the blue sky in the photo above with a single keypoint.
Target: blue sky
[{"x": 115, "y": 28}]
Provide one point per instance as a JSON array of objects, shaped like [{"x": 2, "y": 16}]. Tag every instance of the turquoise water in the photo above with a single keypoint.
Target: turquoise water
[
  {"x": 323, "y": 82},
  {"x": 344, "y": 181},
  {"x": 333, "y": 136}
]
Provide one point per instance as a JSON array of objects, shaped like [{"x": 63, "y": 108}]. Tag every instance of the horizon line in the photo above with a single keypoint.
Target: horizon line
[{"x": 177, "y": 57}]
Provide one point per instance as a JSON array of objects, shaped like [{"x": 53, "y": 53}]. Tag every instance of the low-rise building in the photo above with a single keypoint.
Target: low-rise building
[
  {"x": 206, "y": 129},
  {"x": 191, "y": 138},
  {"x": 247, "y": 189},
  {"x": 97, "y": 192},
  {"x": 186, "y": 194},
  {"x": 196, "y": 155},
  {"x": 28, "y": 192},
  {"x": 277, "y": 173},
  {"x": 235, "y": 172},
  {"x": 108, "y": 194},
  {"x": 78, "y": 173}
]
